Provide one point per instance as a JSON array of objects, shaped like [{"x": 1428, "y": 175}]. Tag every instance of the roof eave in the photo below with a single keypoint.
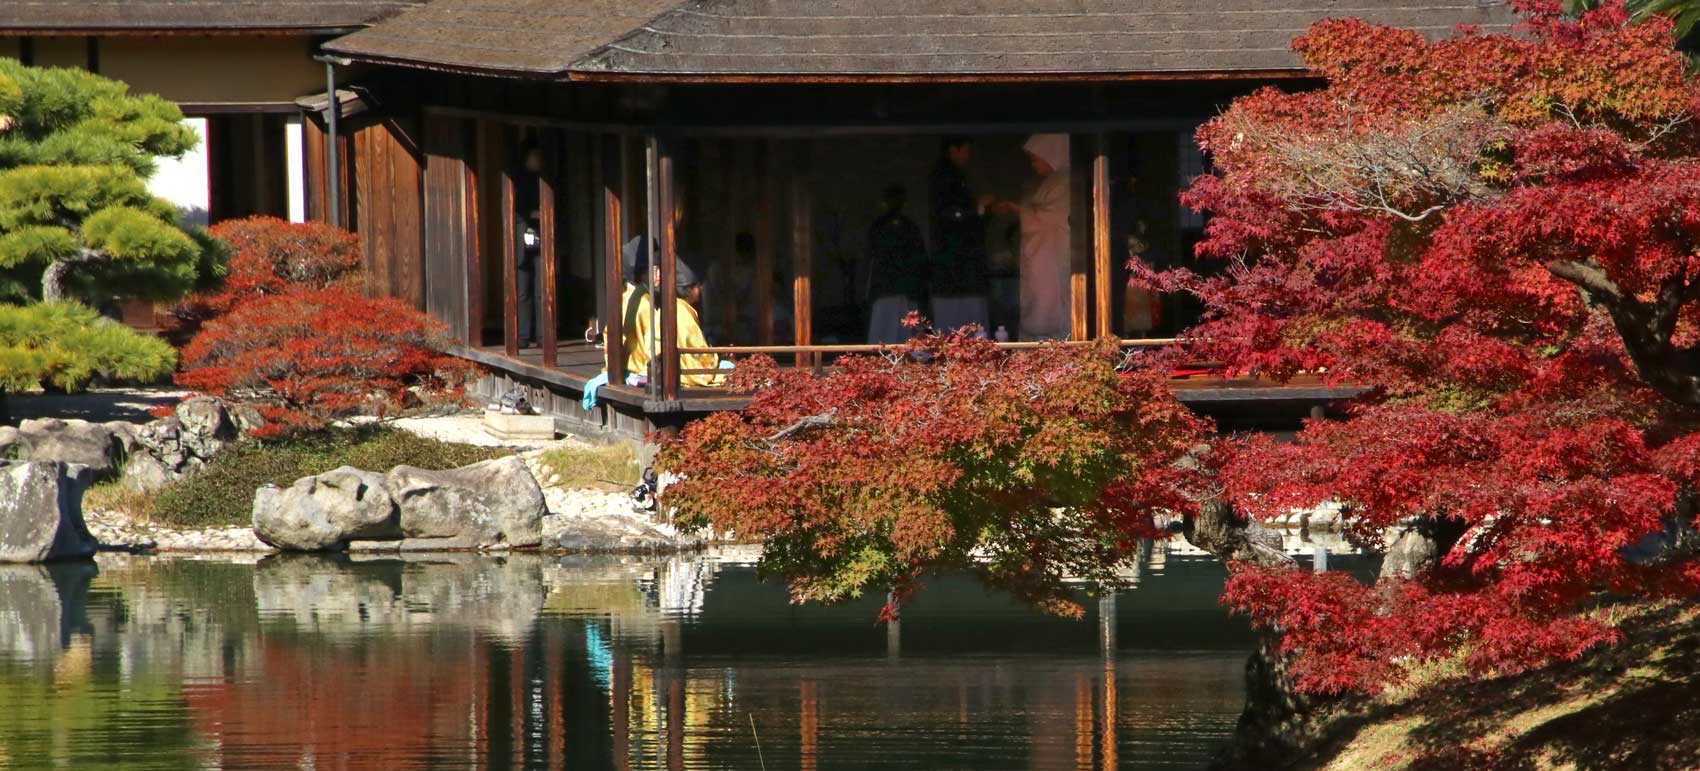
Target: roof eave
[{"x": 165, "y": 31}]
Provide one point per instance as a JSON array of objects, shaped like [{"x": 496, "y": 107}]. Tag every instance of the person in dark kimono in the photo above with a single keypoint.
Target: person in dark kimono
[
  {"x": 960, "y": 278},
  {"x": 897, "y": 264},
  {"x": 528, "y": 243}
]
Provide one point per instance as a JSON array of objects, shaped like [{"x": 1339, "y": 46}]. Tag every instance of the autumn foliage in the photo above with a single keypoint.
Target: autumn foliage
[
  {"x": 290, "y": 332},
  {"x": 270, "y": 256},
  {"x": 1499, "y": 235},
  {"x": 944, "y": 454}
]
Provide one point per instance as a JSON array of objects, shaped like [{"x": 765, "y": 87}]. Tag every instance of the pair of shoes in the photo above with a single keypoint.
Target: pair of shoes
[{"x": 528, "y": 343}]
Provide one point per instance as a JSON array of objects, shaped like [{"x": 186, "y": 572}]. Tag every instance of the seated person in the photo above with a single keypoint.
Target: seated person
[
  {"x": 689, "y": 296},
  {"x": 638, "y": 313}
]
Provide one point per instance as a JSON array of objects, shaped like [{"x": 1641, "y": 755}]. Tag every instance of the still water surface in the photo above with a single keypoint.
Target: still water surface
[{"x": 453, "y": 662}]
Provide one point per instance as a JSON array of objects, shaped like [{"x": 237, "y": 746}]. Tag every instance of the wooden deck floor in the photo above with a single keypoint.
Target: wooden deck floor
[{"x": 580, "y": 362}]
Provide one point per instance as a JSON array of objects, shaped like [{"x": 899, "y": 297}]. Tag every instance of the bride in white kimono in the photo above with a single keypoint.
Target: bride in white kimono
[{"x": 1045, "y": 244}]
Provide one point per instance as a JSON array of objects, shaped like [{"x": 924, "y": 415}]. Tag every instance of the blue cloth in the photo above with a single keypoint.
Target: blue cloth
[{"x": 590, "y": 388}]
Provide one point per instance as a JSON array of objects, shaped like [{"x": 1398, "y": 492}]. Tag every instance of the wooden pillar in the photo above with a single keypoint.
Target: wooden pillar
[
  {"x": 661, "y": 181},
  {"x": 474, "y": 237},
  {"x": 548, "y": 247},
  {"x": 762, "y": 283},
  {"x": 510, "y": 269},
  {"x": 607, "y": 175},
  {"x": 1080, "y": 246},
  {"x": 1101, "y": 248},
  {"x": 802, "y": 253}
]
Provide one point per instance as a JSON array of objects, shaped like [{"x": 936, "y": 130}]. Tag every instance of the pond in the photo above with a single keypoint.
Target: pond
[{"x": 464, "y": 661}]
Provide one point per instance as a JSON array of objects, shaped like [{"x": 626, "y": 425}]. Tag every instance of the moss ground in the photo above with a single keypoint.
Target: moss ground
[
  {"x": 613, "y": 468},
  {"x": 1634, "y": 705}
]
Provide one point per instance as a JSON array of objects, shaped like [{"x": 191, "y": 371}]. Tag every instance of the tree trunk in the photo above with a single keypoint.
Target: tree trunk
[
  {"x": 1420, "y": 545},
  {"x": 54, "y": 280}
]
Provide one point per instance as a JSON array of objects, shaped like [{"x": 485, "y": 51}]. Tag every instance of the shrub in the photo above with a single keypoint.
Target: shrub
[
  {"x": 269, "y": 256},
  {"x": 222, "y": 493},
  {"x": 306, "y": 358},
  {"x": 66, "y": 344}
]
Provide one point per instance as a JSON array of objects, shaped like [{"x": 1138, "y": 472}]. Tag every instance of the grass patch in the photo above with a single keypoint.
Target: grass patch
[
  {"x": 613, "y": 468},
  {"x": 222, "y": 493}
]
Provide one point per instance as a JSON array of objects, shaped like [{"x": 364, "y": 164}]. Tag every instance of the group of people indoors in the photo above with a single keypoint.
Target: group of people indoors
[
  {"x": 946, "y": 276},
  {"x": 942, "y": 273}
]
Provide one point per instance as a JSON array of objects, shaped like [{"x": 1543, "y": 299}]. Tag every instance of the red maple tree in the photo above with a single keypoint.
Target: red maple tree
[
  {"x": 1029, "y": 468},
  {"x": 1500, "y": 236},
  {"x": 270, "y": 256},
  {"x": 308, "y": 357}
]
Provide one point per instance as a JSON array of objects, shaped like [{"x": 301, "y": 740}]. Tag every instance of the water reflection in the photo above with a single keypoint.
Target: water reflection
[{"x": 460, "y": 661}]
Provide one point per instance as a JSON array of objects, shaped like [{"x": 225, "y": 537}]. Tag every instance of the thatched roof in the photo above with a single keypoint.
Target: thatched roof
[
  {"x": 826, "y": 39},
  {"x": 121, "y": 16}
]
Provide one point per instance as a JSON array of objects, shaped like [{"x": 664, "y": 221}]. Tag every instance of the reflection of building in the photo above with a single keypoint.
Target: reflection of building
[{"x": 401, "y": 663}]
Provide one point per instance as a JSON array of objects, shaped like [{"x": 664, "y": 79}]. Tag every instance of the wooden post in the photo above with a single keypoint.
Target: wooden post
[
  {"x": 802, "y": 253},
  {"x": 474, "y": 239},
  {"x": 663, "y": 294},
  {"x": 1079, "y": 250},
  {"x": 607, "y": 173},
  {"x": 762, "y": 284},
  {"x": 549, "y": 247},
  {"x": 510, "y": 269},
  {"x": 1101, "y": 248}
]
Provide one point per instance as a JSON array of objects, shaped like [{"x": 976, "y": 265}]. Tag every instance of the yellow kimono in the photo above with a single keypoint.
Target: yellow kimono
[
  {"x": 640, "y": 348},
  {"x": 690, "y": 336}
]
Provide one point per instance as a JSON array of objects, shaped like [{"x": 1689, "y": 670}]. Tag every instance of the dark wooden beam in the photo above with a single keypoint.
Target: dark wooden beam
[
  {"x": 549, "y": 247},
  {"x": 1101, "y": 246},
  {"x": 510, "y": 268},
  {"x": 802, "y": 252},
  {"x": 663, "y": 294},
  {"x": 472, "y": 200},
  {"x": 762, "y": 283},
  {"x": 607, "y": 173}
]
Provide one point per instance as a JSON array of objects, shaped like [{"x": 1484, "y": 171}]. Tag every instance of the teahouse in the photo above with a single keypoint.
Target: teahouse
[{"x": 759, "y": 141}]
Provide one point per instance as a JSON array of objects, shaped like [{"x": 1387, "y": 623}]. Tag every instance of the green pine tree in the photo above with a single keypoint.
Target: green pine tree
[{"x": 79, "y": 227}]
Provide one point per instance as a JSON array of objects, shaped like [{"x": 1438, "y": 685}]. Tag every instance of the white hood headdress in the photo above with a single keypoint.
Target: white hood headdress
[{"x": 1052, "y": 148}]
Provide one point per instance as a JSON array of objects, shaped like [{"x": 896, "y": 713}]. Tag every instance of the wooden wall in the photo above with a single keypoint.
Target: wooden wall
[
  {"x": 388, "y": 171},
  {"x": 448, "y": 232}
]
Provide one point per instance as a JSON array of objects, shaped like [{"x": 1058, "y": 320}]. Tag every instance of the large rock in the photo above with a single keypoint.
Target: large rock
[
  {"x": 493, "y": 504},
  {"x": 168, "y": 448},
  {"x": 205, "y": 426},
  {"x": 41, "y": 511},
  {"x": 325, "y": 512},
  {"x": 612, "y": 534},
  {"x": 94, "y": 445}
]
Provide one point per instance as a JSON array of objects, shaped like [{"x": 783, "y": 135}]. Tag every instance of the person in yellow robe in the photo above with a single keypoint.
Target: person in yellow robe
[
  {"x": 689, "y": 296},
  {"x": 642, "y": 341}
]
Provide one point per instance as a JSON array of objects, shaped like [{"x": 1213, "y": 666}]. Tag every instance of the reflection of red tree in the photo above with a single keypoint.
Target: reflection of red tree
[{"x": 395, "y": 706}]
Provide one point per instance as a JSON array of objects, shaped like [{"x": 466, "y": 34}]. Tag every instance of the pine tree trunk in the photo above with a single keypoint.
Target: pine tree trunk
[{"x": 53, "y": 281}]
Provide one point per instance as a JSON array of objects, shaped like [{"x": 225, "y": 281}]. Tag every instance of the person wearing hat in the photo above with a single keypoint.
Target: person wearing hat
[
  {"x": 638, "y": 314},
  {"x": 1045, "y": 246},
  {"x": 688, "y": 295}
]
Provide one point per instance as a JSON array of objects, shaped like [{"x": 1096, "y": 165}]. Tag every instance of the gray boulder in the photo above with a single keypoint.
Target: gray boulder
[
  {"x": 325, "y": 512},
  {"x": 493, "y": 504},
  {"x": 41, "y": 511},
  {"x": 612, "y": 535},
  {"x": 205, "y": 426},
  {"x": 69, "y": 441},
  {"x": 200, "y": 428}
]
